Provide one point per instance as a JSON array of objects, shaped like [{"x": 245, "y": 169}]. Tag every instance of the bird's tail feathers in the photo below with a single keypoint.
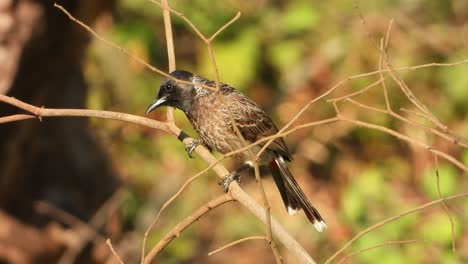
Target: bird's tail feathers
[{"x": 293, "y": 197}]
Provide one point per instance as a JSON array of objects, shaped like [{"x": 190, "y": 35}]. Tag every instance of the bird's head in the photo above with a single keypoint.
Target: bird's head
[{"x": 174, "y": 93}]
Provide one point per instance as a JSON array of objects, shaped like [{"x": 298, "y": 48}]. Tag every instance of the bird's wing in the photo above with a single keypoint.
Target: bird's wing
[{"x": 253, "y": 122}]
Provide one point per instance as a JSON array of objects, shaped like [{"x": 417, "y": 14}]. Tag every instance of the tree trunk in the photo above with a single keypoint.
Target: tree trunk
[{"x": 56, "y": 160}]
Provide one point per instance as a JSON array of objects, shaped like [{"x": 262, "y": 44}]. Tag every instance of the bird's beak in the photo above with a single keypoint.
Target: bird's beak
[{"x": 156, "y": 103}]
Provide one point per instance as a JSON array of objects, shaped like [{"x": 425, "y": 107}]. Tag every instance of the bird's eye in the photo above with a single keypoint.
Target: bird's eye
[{"x": 168, "y": 87}]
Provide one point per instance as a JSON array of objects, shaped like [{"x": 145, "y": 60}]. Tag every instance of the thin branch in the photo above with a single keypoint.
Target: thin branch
[
  {"x": 399, "y": 242},
  {"x": 410, "y": 140},
  {"x": 393, "y": 218},
  {"x": 236, "y": 242},
  {"x": 266, "y": 205},
  {"x": 170, "y": 50},
  {"x": 410, "y": 122},
  {"x": 445, "y": 207},
  {"x": 169, "y": 38},
  {"x": 96, "y": 35},
  {"x": 224, "y": 27},
  {"x": 363, "y": 90},
  {"x": 165, "y": 205},
  {"x": 109, "y": 244},
  {"x": 54, "y": 112},
  {"x": 14, "y": 118},
  {"x": 126, "y": 52},
  {"x": 384, "y": 85},
  {"x": 181, "y": 226},
  {"x": 183, "y": 17},
  {"x": 170, "y": 110}
]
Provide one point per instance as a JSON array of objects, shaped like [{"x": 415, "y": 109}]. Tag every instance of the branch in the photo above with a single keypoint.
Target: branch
[
  {"x": 393, "y": 218},
  {"x": 399, "y": 242},
  {"x": 181, "y": 226},
  {"x": 170, "y": 50},
  {"x": 236, "y": 242},
  {"x": 111, "y": 248},
  {"x": 208, "y": 42},
  {"x": 403, "y": 137},
  {"x": 236, "y": 192}
]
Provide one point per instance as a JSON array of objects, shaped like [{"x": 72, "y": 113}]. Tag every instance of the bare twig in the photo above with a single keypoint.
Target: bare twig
[
  {"x": 109, "y": 244},
  {"x": 181, "y": 226},
  {"x": 399, "y": 242},
  {"x": 406, "y": 138},
  {"x": 238, "y": 14},
  {"x": 165, "y": 205},
  {"x": 363, "y": 90},
  {"x": 266, "y": 205},
  {"x": 126, "y": 52},
  {"x": 236, "y": 242},
  {"x": 13, "y": 118},
  {"x": 170, "y": 110},
  {"x": 384, "y": 86},
  {"x": 96, "y": 35},
  {"x": 170, "y": 49},
  {"x": 410, "y": 122},
  {"x": 393, "y": 218},
  {"x": 445, "y": 207}
]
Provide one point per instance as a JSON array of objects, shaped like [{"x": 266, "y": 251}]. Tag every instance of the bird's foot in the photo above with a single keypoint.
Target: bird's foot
[
  {"x": 226, "y": 180},
  {"x": 191, "y": 147}
]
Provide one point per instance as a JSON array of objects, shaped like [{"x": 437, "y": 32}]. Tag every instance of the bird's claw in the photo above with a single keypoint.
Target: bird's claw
[
  {"x": 191, "y": 147},
  {"x": 226, "y": 180}
]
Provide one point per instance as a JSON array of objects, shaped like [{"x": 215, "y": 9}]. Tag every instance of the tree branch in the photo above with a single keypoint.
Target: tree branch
[
  {"x": 234, "y": 189},
  {"x": 181, "y": 226}
]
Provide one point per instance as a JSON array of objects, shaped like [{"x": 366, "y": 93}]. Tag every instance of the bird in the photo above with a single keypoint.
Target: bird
[{"x": 215, "y": 113}]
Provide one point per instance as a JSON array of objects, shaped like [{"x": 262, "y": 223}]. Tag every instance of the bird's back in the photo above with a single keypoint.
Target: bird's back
[{"x": 212, "y": 116}]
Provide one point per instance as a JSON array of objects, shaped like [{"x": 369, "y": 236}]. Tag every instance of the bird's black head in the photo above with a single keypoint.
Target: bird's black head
[{"x": 174, "y": 93}]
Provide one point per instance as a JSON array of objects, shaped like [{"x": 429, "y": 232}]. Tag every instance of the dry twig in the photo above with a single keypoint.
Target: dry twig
[{"x": 182, "y": 225}]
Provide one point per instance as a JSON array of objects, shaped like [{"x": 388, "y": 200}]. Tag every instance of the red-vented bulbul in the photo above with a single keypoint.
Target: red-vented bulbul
[{"x": 209, "y": 115}]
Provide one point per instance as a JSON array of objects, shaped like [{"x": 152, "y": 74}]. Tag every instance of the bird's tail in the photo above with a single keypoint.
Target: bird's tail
[{"x": 293, "y": 197}]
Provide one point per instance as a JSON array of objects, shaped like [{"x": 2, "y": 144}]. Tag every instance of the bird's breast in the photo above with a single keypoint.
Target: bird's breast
[{"x": 210, "y": 118}]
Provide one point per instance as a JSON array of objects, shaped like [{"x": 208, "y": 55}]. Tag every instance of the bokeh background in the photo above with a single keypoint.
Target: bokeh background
[{"x": 280, "y": 53}]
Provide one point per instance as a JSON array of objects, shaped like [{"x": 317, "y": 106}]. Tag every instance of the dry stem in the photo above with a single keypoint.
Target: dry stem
[
  {"x": 182, "y": 225},
  {"x": 393, "y": 218}
]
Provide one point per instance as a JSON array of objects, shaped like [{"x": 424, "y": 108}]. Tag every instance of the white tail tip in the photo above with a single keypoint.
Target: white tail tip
[
  {"x": 292, "y": 211},
  {"x": 320, "y": 225}
]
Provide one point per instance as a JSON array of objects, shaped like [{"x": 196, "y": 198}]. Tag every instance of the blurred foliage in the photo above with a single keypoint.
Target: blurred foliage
[{"x": 283, "y": 54}]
